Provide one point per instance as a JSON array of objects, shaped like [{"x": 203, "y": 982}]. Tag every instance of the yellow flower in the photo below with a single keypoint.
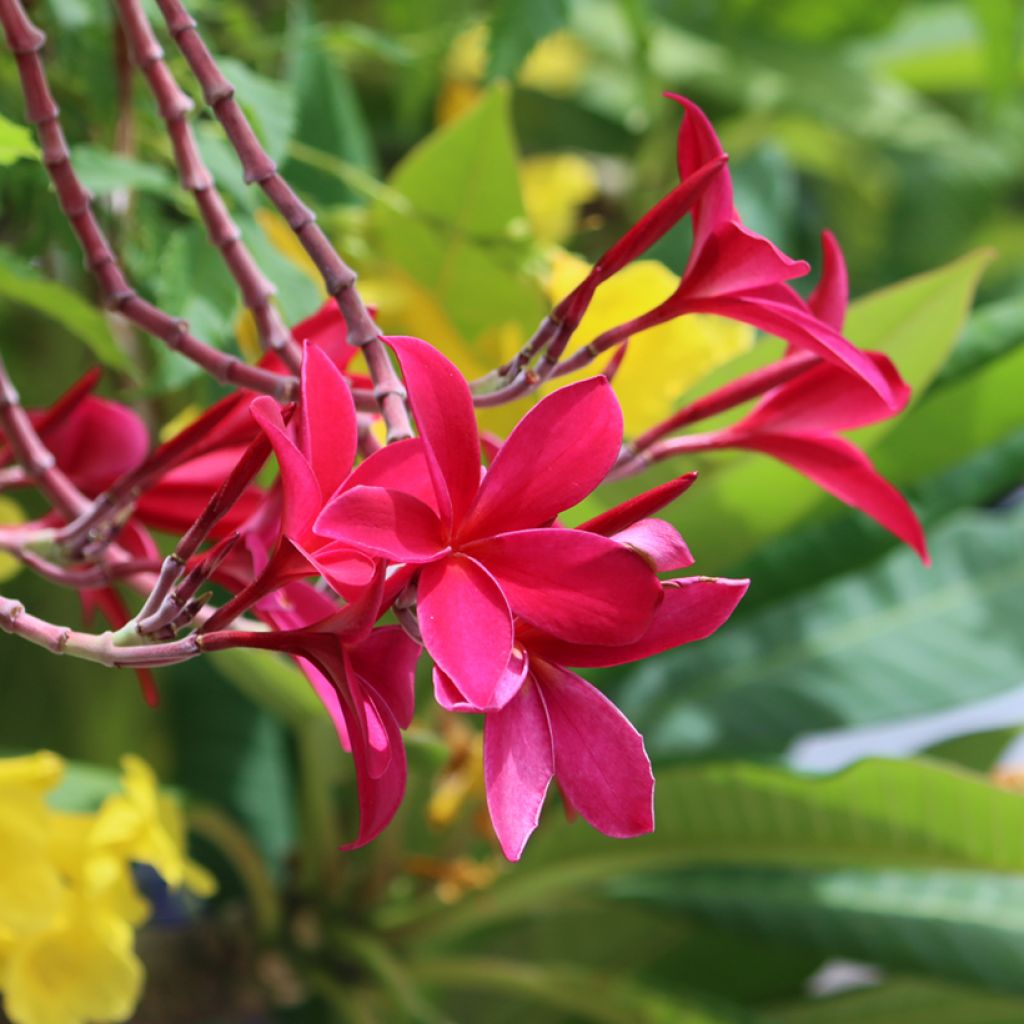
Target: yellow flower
[
  {"x": 663, "y": 362},
  {"x": 554, "y": 187},
  {"x": 145, "y": 825},
  {"x": 81, "y": 969}
]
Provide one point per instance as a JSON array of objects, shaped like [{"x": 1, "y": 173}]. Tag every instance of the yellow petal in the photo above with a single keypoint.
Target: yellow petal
[
  {"x": 662, "y": 363},
  {"x": 83, "y": 970},
  {"x": 555, "y": 186},
  {"x": 275, "y": 227},
  {"x": 556, "y": 64},
  {"x": 10, "y": 515}
]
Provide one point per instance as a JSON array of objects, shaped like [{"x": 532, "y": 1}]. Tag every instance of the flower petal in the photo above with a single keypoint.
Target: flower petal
[
  {"x": 658, "y": 542},
  {"x": 641, "y": 506},
  {"x": 557, "y": 454},
  {"x": 399, "y": 466},
  {"x": 386, "y": 660},
  {"x": 600, "y": 761},
  {"x": 327, "y": 331},
  {"x": 302, "y": 495},
  {"x": 826, "y": 398},
  {"x": 798, "y": 326},
  {"x": 579, "y": 586},
  {"x": 466, "y": 626},
  {"x": 328, "y": 419},
  {"x": 447, "y": 694},
  {"x": 345, "y": 570},
  {"x": 443, "y": 407},
  {"x": 518, "y": 766},
  {"x": 392, "y": 524},
  {"x": 829, "y": 299},
  {"x": 845, "y": 471},
  {"x": 692, "y": 609}
]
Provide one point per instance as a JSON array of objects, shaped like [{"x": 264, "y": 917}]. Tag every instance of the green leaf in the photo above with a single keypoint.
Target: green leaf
[
  {"x": 953, "y": 925},
  {"x": 896, "y": 640},
  {"x": 103, "y": 172},
  {"x": 993, "y": 330},
  {"x": 21, "y": 284},
  {"x": 16, "y": 143},
  {"x": 517, "y": 26},
  {"x": 273, "y": 682},
  {"x": 915, "y": 322},
  {"x": 330, "y": 119},
  {"x": 877, "y": 813},
  {"x": 978, "y": 751},
  {"x": 462, "y": 236},
  {"x": 906, "y": 1001}
]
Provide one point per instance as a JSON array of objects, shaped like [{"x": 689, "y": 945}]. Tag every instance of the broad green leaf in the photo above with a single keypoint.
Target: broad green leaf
[
  {"x": 21, "y": 284},
  {"x": 744, "y": 499},
  {"x": 16, "y": 142},
  {"x": 103, "y": 172},
  {"x": 877, "y": 813},
  {"x": 585, "y": 994},
  {"x": 978, "y": 751},
  {"x": 993, "y": 330},
  {"x": 516, "y": 27},
  {"x": 905, "y": 1001},
  {"x": 330, "y": 119},
  {"x": 461, "y": 238},
  {"x": 953, "y": 925},
  {"x": 895, "y": 640}
]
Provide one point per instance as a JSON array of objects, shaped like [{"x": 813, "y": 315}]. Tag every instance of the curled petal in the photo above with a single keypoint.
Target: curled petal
[
  {"x": 826, "y": 398},
  {"x": 386, "y": 660},
  {"x": 829, "y": 299},
  {"x": 658, "y": 542},
  {"x": 328, "y": 419},
  {"x": 450, "y": 698},
  {"x": 518, "y": 766},
  {"x": 845, "y": 471},
  {"x": 558, "y": 453},
  {"x": 302, "y": 495},
  {"x": 579, "y": 586},
  {"x": 443, "y": 407},
  {"x": 466, "y": 626},
  {"x": 600, "y": 761},
  {"x": 641, "y": 506},
  {"x": 391, "y": 524},
  {"x": 692, "y": 609}
]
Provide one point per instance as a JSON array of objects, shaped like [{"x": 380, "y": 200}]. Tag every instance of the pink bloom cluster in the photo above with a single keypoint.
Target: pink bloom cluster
[{"x": 356, "y": 565}]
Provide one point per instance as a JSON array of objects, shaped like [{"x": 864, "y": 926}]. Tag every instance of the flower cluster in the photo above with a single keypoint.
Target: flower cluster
[
  {"x": 359, "y": 557},
  {"x": 69, "y": 905}
]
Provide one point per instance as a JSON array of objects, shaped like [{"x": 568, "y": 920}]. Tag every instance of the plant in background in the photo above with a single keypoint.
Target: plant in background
[{"x": 394, "y": 524}]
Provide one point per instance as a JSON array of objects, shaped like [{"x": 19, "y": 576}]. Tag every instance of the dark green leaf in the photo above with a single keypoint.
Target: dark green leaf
[{"x": 516, "y": 28}]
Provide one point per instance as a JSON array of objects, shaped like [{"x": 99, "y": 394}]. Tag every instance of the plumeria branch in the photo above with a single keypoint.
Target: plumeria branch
[
  {"x": 258, "y": 168},
  {"x": 26, "y": 42},
  {"x": 174, "y": 107}
]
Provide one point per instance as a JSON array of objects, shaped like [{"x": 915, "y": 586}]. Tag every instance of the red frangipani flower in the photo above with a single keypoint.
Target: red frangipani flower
[
  {"x": 486, "y": 547},
  {"x": 559, "y": 726}
]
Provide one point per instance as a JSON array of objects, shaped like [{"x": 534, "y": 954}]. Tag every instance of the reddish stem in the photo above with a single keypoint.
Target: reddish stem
[
  {"x": 259, "y": 168},
  {"x": 174, "y": 107},
  {"x": 26, "y": 41}
]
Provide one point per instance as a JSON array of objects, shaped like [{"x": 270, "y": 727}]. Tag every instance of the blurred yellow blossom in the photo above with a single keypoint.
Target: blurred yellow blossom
[
  {"x": 555, "y": 186},
  {"x": 10, "y": 515},
  {"x": 68, "y": 901},
  {"x": 663, "y": 362}
]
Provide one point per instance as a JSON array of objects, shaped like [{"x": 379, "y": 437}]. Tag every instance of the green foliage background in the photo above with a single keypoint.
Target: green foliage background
[{"x": 898, "y": 125}]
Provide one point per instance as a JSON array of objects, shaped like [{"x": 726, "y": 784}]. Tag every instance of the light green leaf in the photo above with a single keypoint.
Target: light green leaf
[
  {"x": 329, "y": 119},
  {"x": 952, "y": 925},
  {"x": 16, "y": 143},
  {"x": 103, "y": 172},
  {"x": 896, "y": 640},
  {"x": 10, "y": 515},
  {"x": 21, "y": 284},
  {"x": 269, "y": 104},
  {"x": 462, "y": 237}
]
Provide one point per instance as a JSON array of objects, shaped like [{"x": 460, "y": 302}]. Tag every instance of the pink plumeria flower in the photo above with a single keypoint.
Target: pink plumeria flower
[
  {"x": 559, "y": 726},
  {"x": 486, "y": 547}
]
